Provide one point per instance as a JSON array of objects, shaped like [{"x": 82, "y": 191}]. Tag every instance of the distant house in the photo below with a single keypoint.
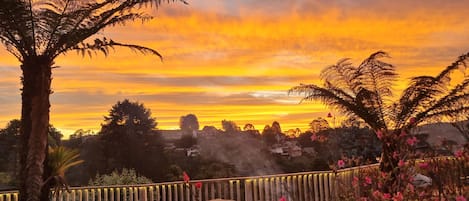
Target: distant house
[
  {"x": 287, "y": 148},
  {"x": 193, "y": 151}
]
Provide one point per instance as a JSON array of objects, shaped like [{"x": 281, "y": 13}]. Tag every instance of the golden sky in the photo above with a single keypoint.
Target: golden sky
[{"x": 235, "y": 60}]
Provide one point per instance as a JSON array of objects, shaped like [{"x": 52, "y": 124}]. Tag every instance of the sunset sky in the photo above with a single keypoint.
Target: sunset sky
[{"x": 236, "y": 59}]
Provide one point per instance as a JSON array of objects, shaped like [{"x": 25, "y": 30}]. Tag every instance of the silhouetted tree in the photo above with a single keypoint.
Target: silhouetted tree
[
  {"x": 318, "y": 125},
  {"x": 129, "y": 139},
  {"x": 365, "y": 91},
  {"x": 269, "y": 136},
  {"x": 186, "y": 141},
  {"x": 130, "y": 118},
  {"x": 9, "y": 140},
  {"x": 36, "y": 34},
  {"x": 229, "y": 126},
  {"x": 189, "y": 123},
  {"x": 249, "y": 127}
]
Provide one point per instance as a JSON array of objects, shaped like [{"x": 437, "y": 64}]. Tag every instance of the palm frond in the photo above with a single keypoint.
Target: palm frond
[
  {"x": 340, "y": 100},
  {"x": 15, "y": 27},
  {"x": 104, "y": 46},
  {"x": 53, "y": 27},
  {"x": 427, "y": 93}
]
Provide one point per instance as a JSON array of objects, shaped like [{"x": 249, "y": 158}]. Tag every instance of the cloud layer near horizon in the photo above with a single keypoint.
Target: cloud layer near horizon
[{"x": 235, "y": 60}]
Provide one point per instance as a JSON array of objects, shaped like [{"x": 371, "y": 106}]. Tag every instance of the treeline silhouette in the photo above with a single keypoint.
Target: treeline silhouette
[{"x": 129, "y": 140}]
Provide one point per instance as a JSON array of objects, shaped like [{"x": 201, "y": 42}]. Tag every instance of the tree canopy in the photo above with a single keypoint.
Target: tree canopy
[{"x": 128, "y": 117}]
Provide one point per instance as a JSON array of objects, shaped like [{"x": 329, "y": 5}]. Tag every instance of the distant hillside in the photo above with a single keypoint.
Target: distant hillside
[{"x": 441, "y": 131}]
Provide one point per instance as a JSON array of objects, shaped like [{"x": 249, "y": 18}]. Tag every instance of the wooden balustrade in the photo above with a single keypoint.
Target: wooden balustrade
[{"x": 305, "y": 186}]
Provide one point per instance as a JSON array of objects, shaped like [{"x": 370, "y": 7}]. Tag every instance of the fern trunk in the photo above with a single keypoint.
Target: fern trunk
[{"x": 36, "y": 82}]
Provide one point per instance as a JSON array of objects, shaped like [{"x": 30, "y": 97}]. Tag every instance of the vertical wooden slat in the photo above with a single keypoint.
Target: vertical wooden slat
[
  {"x": 188, "y": 193},
  {"x": 136, "y": 196},
  {"x": 273, "y": 193},
  {"x": 238, "y": 190},
  {"x": 226, "y": 190},
  {"x": 118, "y": 194},
  {"x": 105, "y": 193},
  {"x": 316, "y": 187},
  {"x": 326, "y": 186},
  {"x": 111, "y": 194},
  {"x": 157, "y": 193},
  {"x": 85, "y": 195},
  {"x": 299, "y": 188},
  {"x": 278, "y": 191},
  {"x": 191, "y": 193},
  {"x": 255, "y": 189},
  {"x": 294, "y": 189},
  {"x": 80, "y": 195},
  {"x": 248, "y": 190},
  {"x": 67, "y": 196},
  {"x": 163, "y": 193},
  {"x": 212, "y": 190},
  {"x": 267, "y": 189},
  {"x": 130, "y": 194},
  {"x": 7, "y": 197},
  {"x": 261, "y": 189},
  {"x": 321, "y": 187},
  {"x": 143, "y": 194},
  {"x": 232, "y": 190},
  {"x": 170, "y": 193},
  {"x": 176, "y": 191},
  {"x": 219, "y": 190},
  {"x": 72, "y": 195},
  {"x": 206, "y": 187},
  {"x": 305, "y": 187},
  {"x": 151, "y": 193},
  {"x": 124, "y": 194}
]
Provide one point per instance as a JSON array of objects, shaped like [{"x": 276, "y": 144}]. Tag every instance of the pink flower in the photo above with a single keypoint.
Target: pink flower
[
  {"x": 423, "y": 165},
  {"x": 282, "y": 199},
  {"x": 314, "y": 137},
  {"x": 398, "y": 197},
  {"x": 384, "y": 174},
  {"x": 411, "y": 179},
  {"x": 458, "y": 153},
  {"x": 401, "y": 163},
  {"x": 363, "y": 199},
  {"x": 379, "y": 134},
  {"x": 421, "y": 194},
  {"x": 387, "y": 196},
  {"x": 410, "y": 187},
  {"x": 460, "y": 198},
  {"x": 341, "y": 163},
  {"x": 395, "y": 155},
  {"x": 186, "y": 177},
  {"x": 412, "y": 120},
  {"x": 355, "y": 181},
  {"x": 367, "y": 180},
  {"x": 380, "y": 185},
  {"x": 376, "y": 194},
  {"x": 403, "y": 133},
  {"x": 198, "y": 185},
  {"x": 412, "y": 141}
]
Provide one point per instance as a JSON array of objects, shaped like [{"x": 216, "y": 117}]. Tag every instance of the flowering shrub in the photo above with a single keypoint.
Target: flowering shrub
[{"x": 427, "y": 177}]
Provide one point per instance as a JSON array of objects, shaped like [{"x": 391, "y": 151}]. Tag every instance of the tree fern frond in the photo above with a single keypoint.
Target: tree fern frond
[
  {"x": 331, "y": 98},
  {"x": 426, "y": 92},
  {"x": 104, "y": 45}
]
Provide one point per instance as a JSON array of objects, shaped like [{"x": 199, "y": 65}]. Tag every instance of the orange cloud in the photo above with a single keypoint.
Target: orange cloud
[{"x": 235, "y": 59}]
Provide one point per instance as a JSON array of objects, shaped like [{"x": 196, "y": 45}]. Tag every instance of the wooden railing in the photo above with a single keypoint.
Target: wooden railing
[{"x": 304, "y": 186}]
